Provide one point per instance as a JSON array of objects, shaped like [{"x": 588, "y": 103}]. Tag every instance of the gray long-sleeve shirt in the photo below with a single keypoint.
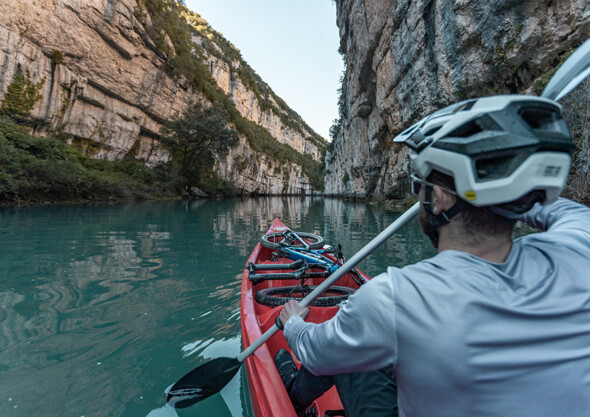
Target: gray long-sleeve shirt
[{"x": 468, "y": 337}]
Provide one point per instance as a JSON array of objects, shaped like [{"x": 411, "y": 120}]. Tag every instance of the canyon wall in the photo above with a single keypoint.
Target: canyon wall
[
  {"x": 108, "y": 86},
  {"x": 405, "y": 59},
  {"x": 247, "y": 103}
]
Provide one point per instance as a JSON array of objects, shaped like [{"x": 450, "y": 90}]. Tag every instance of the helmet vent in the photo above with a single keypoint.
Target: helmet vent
[
  {"x": 475, "y": 126},
  {"x": 466, "y": 130},
  {"x": 468, "y": 105},
  {"x": 432, "y": 131},
  {"x": 545, "y": 120},
  {"x": 464, "y": 106},
  {"x": 499, "y": 166}
]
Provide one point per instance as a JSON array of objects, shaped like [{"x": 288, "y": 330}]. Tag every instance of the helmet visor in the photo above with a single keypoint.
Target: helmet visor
[{"x": 417, "y": 183}]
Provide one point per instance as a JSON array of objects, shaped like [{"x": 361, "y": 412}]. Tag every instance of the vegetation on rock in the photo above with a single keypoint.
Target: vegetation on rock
[
  {"x": 345, "y": 178},
  {"x": 21, "y": 95},
  {"x": 46, "y": 169},
  {"x": 57, "y": 57}
]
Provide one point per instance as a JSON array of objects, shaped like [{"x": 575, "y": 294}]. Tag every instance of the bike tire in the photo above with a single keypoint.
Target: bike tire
[
  {"x": 314, "y": 241},
  {"x": 277, "y": 296}
]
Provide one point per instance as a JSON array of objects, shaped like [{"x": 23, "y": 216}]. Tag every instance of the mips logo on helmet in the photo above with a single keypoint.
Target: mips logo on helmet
[{"x": 470, "y": 195}]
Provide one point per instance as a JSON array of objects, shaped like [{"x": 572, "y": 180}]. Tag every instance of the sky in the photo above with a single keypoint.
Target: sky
[{"x": 292, "y": 45}]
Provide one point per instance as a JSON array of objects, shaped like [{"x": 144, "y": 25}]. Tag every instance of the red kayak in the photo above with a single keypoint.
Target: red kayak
[{"x": 280, "y": 268}]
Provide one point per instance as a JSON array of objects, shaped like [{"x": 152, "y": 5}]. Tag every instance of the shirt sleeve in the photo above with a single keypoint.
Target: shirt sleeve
[
  {"x": 562, "y": 215},
  {"x": 361, "y": 337}
]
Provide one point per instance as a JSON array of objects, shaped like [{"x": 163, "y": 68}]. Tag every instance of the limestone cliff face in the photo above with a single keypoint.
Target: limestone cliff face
[
  {"x": 110, "y": 88},
  {"x": 407, "y": 58},
  {"x": 263, "y": 175},
  {"x": 108, "y": 85}
]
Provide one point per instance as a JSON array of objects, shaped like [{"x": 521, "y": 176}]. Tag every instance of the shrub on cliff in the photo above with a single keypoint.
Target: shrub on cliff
[{"x": 21, "y": 95}]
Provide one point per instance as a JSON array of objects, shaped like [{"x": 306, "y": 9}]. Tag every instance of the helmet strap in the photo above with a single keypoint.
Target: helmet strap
[{"x": 437, "y": 220}]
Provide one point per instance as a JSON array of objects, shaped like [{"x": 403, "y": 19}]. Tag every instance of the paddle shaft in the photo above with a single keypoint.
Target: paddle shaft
[
  {"x": 339, "y": 273},
  {"x": 573, "y": 71}
]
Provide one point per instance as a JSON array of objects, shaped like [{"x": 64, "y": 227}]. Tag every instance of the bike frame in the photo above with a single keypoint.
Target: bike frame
[
  {"x": 311, "y": 256},
  {"x": 304, "y": 258},
  {"x": 303, "y": 252}
]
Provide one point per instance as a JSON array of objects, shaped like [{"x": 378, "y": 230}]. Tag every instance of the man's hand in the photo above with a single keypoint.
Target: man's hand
[{"x": 292, "y": 308}]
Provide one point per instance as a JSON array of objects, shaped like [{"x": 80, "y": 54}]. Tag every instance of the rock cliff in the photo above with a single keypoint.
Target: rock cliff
[
  {"x": 406, "y": 58},
  {"x": 108, "y": 85}
]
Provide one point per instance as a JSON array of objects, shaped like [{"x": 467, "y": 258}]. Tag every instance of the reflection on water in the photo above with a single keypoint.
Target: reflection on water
[{"x": 103, "y": 307}]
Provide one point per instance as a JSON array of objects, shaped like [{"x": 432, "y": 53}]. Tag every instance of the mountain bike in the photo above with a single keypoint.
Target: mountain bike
[{"x": 311, "y": 260}]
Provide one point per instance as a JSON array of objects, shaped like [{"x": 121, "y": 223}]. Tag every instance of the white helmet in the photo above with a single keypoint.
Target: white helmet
[{"x": 497, "y": 149}]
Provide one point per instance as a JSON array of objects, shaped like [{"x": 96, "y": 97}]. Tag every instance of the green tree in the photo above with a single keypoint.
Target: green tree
[
  {"x": 21, "y": 95},
  {"x": 195, "y": 138}
]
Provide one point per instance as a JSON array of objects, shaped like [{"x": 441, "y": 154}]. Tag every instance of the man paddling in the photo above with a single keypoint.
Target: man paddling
[{"x": 490, "y": 326}]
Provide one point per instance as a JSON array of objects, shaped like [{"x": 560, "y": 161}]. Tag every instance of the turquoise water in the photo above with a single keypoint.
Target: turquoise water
[{"x": 104, "y": 307}]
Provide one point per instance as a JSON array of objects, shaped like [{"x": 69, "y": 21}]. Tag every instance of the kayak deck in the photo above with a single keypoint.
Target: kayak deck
[{"x": 269, "y": 397}]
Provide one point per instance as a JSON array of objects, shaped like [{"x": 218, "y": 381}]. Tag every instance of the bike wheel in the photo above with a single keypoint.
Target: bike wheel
[
  {"x": 273, "y": 240},
  {"x": 277, "y": 296}
]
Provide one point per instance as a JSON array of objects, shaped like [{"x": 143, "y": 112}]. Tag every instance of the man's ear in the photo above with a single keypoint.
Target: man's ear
[{"x": 442, "y": 200}]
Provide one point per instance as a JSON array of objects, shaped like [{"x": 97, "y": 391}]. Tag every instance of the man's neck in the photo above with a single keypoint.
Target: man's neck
[{"x": 490, "y": 248}]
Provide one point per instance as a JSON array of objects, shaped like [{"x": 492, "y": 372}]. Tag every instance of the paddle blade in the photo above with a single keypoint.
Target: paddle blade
[{"x": 202, "y": 382}]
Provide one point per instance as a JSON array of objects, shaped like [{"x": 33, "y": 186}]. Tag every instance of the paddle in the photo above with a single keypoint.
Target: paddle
[{"x": 211, "y": 377}]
